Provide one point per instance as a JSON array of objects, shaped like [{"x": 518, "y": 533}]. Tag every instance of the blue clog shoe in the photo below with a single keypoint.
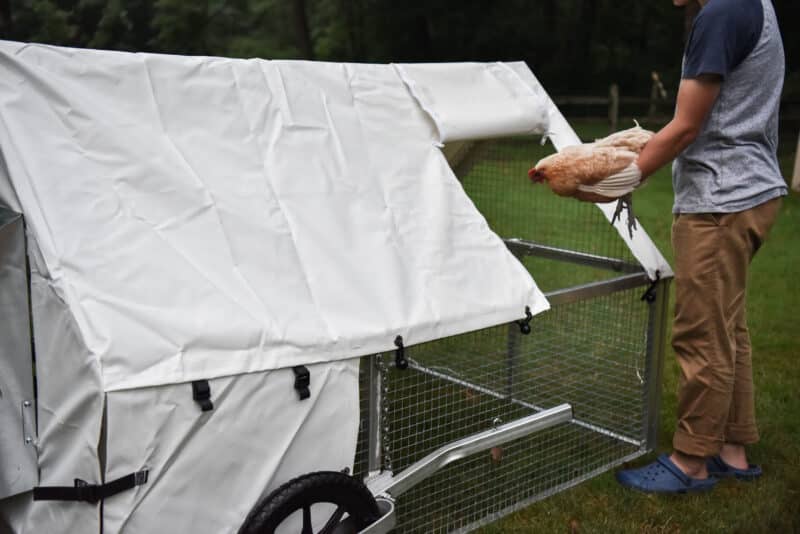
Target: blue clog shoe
[
  {"x": 718, "y": 468},
  {"x": 663, "y": 476}
]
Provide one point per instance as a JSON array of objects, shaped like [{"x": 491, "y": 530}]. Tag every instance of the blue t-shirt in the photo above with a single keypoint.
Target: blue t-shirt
[
  {"x": 732, "y": 165},
  {"x": 723, "y": 35}
]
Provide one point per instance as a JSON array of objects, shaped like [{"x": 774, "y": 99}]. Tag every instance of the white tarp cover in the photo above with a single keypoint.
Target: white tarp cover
[
  {"x": 205, "y": 217},
  {"x": 476, "y": 103}
]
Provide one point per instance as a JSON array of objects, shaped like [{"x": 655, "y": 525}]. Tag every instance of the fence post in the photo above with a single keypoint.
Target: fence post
[
  {"x": 613, "y": 107},
  {"x": 656, "y": 91},
  {"x": 796, "y": 175}
]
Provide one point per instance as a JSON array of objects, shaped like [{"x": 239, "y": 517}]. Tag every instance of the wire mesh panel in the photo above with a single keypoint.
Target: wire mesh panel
[{"x": 590, "y": 354}]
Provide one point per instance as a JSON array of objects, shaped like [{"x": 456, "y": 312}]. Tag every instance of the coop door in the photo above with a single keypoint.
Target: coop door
[{"x": 18, "y": 471}]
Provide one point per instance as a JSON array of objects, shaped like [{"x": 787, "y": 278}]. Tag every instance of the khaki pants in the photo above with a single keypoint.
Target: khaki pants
[{"x": 710, "y": 337}]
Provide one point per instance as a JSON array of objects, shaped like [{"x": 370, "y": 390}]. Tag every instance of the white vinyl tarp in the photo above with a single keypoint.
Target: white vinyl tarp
[{"x": 206, "y": 217}]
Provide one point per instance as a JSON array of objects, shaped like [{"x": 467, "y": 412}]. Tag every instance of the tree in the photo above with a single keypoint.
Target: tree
[
  {"x": 301, "y": 28},
  {"x": 45, "y": 22},
  {"x": 6, "y": 20}
]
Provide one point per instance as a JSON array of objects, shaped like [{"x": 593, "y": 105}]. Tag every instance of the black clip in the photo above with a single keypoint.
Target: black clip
[
  {"x": 400, "y": 354},
  {"x": 201, "y": 393},
  {"x": 525, "y": 324},
  {"x": 302, "y": 381},
  {"x": 86, "y": 492},
  {"x": 650, "y": 294}
]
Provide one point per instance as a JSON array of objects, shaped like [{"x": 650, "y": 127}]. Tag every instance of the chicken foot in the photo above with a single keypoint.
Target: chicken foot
[{"x": 625, "y": 202}]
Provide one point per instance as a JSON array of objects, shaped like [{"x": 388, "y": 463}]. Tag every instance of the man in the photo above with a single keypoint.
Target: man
[{"x": 727, "y": 194}]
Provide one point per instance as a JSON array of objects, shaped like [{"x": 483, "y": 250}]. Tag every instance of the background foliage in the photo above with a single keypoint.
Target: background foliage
[{"x": 574, "y": 46}]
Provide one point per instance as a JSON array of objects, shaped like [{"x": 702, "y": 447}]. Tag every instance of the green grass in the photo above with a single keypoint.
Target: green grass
[{"x": 771, "y": 504}]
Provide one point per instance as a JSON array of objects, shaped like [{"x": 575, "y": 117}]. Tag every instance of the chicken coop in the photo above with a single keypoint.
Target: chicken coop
[{"x": 233, "y": 289}]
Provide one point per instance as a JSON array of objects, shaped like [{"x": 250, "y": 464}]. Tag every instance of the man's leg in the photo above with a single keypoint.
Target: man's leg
[
  {"x": 715, "y": 399},
  {"x": 704, "y": 345},
  {"x": 751, "y": 228}
]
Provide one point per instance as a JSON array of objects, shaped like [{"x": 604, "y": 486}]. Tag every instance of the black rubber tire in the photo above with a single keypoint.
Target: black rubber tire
[{"x": 347, "y": 493}]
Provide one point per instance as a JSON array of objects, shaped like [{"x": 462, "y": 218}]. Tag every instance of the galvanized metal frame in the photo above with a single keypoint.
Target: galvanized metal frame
[
  {"x": 521, "y": 248},
  {"x": 596, "y": 289},
  {"x": 656, "y": 343},
  {"x": 427, "y": 466},
  {"x": 375, "y": 417}
]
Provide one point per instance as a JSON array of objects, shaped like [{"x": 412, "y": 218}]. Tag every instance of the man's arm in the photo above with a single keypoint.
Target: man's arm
[{"x": 696, "y": 97}]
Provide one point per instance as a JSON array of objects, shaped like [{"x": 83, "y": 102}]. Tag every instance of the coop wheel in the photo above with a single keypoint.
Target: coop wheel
[{"x": 349, "y": 496}]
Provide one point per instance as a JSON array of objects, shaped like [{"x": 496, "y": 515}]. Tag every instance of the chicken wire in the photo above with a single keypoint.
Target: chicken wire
[
  {"x": 596, "y": 351},
  {"x": 591, "y": 354}
]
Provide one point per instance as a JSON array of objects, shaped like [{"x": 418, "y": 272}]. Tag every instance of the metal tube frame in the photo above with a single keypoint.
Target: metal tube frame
[
  {"x": 596, "y": 289},
  {"x": 522, "y": 247},
  {"x": 656, "y": 341},
  {"x": 441, "y": 457},
  {"x": 512, "y": 354},
  {"x": 375, "y": 387}
]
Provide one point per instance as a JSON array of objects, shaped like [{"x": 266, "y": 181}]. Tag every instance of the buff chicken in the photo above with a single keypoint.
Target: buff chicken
[{"x": 602, "y": 171}]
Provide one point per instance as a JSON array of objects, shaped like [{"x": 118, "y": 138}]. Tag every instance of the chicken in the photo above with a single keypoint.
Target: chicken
[
  {"x": 582, "y": 165},
  {"x": 602, "y": 171}
]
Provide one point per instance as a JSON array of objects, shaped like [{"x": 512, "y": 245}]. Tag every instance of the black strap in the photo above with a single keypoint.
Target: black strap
[
  {"x": 201, "y": 392},
  {"x": 302, "y": 380},
  {"x": 91, "y": 493}
]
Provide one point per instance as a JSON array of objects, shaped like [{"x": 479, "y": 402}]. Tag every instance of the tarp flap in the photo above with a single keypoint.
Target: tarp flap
[
  {"x": 469, "y": 101},
  {"x": 206, "y": 217}
]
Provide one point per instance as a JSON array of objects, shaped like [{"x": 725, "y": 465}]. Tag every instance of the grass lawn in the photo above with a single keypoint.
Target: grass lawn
[{"x": 771, "y": 504}]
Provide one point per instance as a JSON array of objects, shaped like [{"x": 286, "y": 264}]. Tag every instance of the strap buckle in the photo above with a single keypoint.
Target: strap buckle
[{"x": 87, "y": 492}]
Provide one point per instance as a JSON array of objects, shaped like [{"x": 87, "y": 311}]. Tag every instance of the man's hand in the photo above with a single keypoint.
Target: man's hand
[{"x": 696, "y": 97}]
